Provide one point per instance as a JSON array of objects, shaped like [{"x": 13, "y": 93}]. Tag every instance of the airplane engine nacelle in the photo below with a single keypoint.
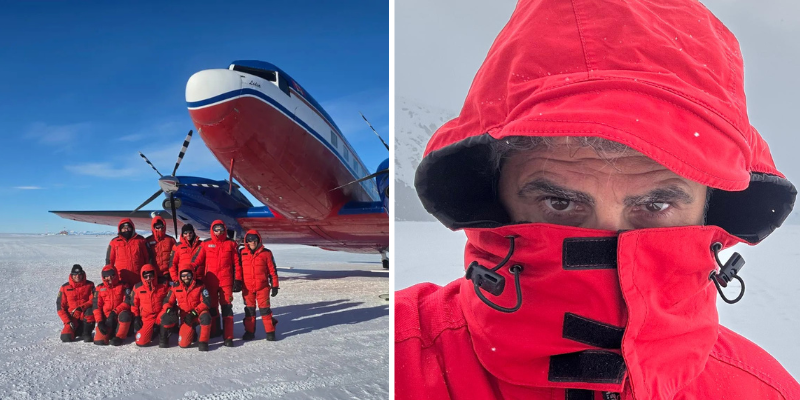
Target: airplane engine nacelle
[{"x": 382, "y": 182}]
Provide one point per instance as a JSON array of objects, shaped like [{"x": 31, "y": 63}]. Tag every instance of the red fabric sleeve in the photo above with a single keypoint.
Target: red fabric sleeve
[
  {"x": 63, "y": 306},
  {"x": 135, "y": 305},
  {"x": 125, "y": 303},
  {"x": 111, "y": 254},
  {"x": 174, "y": 261},
  {"x": 88, "y": 303},
  {"x": 200, "y": 262},
  {"x": 272, "y": 268},
  {"x": 237, "y": 263},
  {"x": 97, "y": 305}
]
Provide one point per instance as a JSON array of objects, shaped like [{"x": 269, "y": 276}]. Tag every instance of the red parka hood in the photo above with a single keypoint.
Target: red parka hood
[
  {"x": 211, "y": 230},
  {"x": 662, "y": 77},
  {"x": 126, "y": 221},
  {"x": 158, "y": 234},
  {"x": 115, "y": 280}
]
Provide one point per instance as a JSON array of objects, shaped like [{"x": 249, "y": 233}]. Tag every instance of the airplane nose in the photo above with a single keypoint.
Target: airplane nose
[{"x": 206, "y": 92}]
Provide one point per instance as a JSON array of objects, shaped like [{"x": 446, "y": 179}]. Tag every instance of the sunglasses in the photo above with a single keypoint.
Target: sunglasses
[
  {"x": 76, "y": 273},
  {"x": 219, "y": 229},
  {"x": 147, "y": 275},
  {"x": 159, "y": 227},
  {"x": 187, "y": 233},
  {"x": 186, "y": 276}
]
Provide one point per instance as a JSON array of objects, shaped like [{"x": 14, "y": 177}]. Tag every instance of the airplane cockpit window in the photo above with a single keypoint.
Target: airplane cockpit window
[
  {"x": 261, "y": 73},
  {"x": 334, "y": 139}
]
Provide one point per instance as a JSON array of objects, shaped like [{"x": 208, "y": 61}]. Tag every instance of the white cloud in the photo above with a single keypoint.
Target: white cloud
[
  {"x": 101, "y": 170},
  {"x": 132, "y": 138},
  {"x": 28, "y": 187},
  {"x": 55, "y": 135}
]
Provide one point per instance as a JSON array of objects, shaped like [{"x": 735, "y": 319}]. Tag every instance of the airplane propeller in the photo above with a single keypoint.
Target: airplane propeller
[
  {"x": 383, "y": 171},
  {"x": 169, "y": 184}
]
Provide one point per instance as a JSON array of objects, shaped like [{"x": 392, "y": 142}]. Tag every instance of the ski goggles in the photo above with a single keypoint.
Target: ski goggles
[
  {"x": 108, "y": 274},
  {"x": 158, "y": 226},
  {"x": 219, "y": 228},
  {"x": 186, "y": 275},
  {"x": 251, "y": 238},
  {"x": 148, "y": 274}
]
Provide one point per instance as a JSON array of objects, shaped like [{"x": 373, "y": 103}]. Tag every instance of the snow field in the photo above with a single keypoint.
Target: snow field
[{"x": 332, "y": 336}]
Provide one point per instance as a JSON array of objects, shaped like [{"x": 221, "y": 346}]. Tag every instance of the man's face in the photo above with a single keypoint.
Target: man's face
[
  {"x": 108, "y": 279},
  {"x": 219, "y": 230},
  {"x": 186, "y": 278},
  {"x": 575, "y": 186},
  {"x": 148, "y": 276},
  {"x": 158, "y": 226},
  {"x": 125, "y": 228},
  {"x": 189, "y": 235},
  {"x": 77, "y": 278}
]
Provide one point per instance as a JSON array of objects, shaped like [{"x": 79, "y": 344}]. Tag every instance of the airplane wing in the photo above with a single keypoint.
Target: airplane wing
[{"x": 141, "y": 219}]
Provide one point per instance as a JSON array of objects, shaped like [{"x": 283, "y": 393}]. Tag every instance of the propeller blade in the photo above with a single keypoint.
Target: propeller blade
[
  {"x": 146, "y": 202},
  {"x": 174, "y": 214},
  {"x": 150, "y": 164},
  {"x": 383, "y": 171},
  {"x": 183, "y": 151},
  {"x": 376, "y": 132}
]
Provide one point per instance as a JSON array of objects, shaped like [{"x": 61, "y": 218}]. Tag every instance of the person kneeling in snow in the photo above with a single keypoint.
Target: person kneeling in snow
[
  {"x": 111, "y": 309},
  {"x": 75, "y": 306},
  {"x": 146, "y": 304},
  {"x": 190, "y": 299}
]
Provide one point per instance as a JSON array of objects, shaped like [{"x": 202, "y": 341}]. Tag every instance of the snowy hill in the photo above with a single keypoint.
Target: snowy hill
[{"x": 415, "y": 122}]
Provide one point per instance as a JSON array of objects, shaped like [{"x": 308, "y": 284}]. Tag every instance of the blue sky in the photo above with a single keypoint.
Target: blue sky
[{"x": 89, "y": 84}]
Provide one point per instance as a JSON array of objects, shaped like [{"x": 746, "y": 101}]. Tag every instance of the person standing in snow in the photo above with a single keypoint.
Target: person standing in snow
[
  {"x": 184, "y": 253},
  {"x": 160, "y": 246},
  {"x": 219, "y": 258},
  {"x": 127, "y": 252},
  {"x": 601, "y": 161},
  {"x": 74, "y": 304},
  {"x": 260, "y": 282}
]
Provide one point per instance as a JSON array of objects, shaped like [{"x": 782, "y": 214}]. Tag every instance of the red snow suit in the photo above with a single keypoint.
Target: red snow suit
[
  {"x": 571, "y": 313},
  {"x": 260, "y": 275},
  {"x": 182, "y": 257},
  {"x": 219, "y": 258},
  {"x": 74, "y": 303},
  {"x": 195, "y": 298},
  {"x": 112, "y": 298},
  {"x": 128, "y": 256},
  {"x": 160, "y": 246},
  {"x": 147, "y": 302}
]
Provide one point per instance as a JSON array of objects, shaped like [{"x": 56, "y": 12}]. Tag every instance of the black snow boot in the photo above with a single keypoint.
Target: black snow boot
[
  {"x": 163, "y": 338},
  {"x": 228, "y": 343},
  {"x": 87, "y": 331},
  {"x": 115, "y": 341},
  {"x": 202, "y": 346},
  {"x": 248, "y": 336},
  {"x": 271, "y": 336}
]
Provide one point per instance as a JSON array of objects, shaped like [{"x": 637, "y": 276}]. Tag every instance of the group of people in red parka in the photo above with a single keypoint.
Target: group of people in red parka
[{"x": 158, "y": 286}]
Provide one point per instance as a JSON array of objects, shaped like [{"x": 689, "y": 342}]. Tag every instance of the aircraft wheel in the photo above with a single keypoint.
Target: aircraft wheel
[{"x": 385, "y": 264}]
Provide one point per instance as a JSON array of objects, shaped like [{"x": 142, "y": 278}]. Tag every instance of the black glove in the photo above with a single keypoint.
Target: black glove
[
  {"x": 189, "y": 318},
  {"x": 274, "y": 292},
  {"x": 137, "y": 324},
  {"x": 174, "y": 283},
  {"x": 237, "y": 286},
  {"x": 74, "y": 327},
  {"x": 103, "y": 327}
]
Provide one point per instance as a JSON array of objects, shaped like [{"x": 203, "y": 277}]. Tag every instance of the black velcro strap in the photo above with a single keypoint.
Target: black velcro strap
[
  {"x": 590, "y": 253},
  {"x": 591, "y": 332},
  {"x": 590, "y": 366},
  {"x": 579, "y": 394}
]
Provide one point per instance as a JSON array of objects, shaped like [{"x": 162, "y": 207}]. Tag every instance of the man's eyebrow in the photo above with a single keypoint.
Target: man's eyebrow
[
  {"x": 549, "y": 187},
  {"x": 669, "y": 194}
]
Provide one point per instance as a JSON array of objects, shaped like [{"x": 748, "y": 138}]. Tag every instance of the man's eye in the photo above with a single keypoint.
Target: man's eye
[
  {"x": 559, "y": 204},
  {"x": 656, "y": 207}
]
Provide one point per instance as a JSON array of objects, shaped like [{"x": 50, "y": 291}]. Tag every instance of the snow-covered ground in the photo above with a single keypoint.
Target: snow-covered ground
[
  {"x": 767, "y": 315},
  {"x": 333, "y": 335}
]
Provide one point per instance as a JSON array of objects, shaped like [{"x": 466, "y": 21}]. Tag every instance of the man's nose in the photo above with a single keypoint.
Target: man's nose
[{"x": 611, "y": 218}]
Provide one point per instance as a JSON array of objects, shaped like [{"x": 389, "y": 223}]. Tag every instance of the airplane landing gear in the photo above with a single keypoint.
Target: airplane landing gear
[{"x": 384, "y": 260}]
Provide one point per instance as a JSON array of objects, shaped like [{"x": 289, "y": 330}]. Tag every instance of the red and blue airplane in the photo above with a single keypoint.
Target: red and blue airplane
[{"x": 286, "y": 151}]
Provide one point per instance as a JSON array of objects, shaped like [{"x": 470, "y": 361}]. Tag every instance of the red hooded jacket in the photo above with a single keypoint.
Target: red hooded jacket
[
  {"x": 110, "y": 298},
  {"x": 582, "y": 310},
  {"x": 128, "y": 255},
  {"x": 219, "y": 256},
  {"x": 147, "y": 301},
  {"x": 258, "y": 267},
  {"x": 194, "y": 297},
  {"x": 160, "y": 246},
  {"x": 73, "y": 296},
  {"x": 182, "y": 257}
]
